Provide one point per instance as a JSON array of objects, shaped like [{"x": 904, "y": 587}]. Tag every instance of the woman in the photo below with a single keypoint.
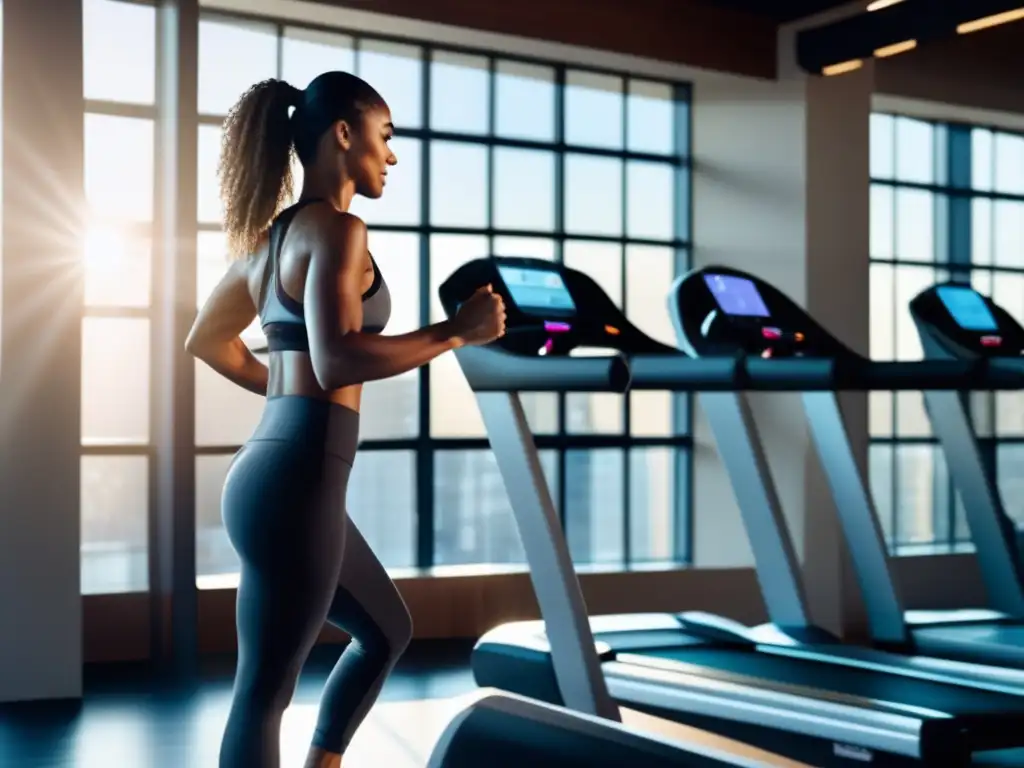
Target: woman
[{"x": 323, "y": 303}]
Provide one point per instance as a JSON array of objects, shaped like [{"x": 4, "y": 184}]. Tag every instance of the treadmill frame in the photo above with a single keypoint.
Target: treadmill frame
[
  {"x": 573, "y": 651},
  {"x": 888, "y": 621},
  {"x": 790, "y": 630},
  {"x": 733, "y": 427},
  {"x": 858, "y": 518},
  {"x": 983, "y": 506},
  {"x": 587, "y": 685}
]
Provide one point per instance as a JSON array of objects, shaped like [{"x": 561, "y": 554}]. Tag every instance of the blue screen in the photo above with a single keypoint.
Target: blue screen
[
  {"x": 538, "y": 289},
  {"x": 736, "y": 295},
  {"x": 967, "y": 308}
]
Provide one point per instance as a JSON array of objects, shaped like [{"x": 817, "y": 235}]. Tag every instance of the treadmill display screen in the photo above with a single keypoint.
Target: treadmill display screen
[
  {"x": 537, "y": 289},
  {"x": 967, "y": 308},
  {"x": 736, "y": 295}
]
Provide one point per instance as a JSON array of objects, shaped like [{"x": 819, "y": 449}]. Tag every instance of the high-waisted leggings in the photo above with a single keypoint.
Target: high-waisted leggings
[{"x": 303, "y": 563}]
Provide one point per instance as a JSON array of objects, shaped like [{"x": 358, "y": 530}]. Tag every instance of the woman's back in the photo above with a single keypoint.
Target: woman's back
[{"x": 277, "y": 278}]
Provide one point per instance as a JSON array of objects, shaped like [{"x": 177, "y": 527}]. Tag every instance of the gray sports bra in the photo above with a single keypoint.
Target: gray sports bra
[{"x": 282, "y": 317}]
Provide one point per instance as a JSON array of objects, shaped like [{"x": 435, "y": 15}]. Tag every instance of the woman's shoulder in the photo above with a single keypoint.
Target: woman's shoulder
[
  {"x": 330, "y": 217},
  {"x": 333, "y": 228}
]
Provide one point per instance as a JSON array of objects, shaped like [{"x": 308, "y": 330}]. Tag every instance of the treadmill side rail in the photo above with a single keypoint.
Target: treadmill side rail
[
  {"x": 981, "y": 676},
  {"x": 518, "y": 731},
  {"x": 818, "y": 714}
]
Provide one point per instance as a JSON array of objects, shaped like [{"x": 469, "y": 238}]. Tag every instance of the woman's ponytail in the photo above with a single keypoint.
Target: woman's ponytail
[{"x": 255, "y": 163}]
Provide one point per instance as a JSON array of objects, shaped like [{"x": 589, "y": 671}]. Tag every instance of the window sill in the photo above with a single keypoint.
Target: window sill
[
  {"x": 930, "y": 549},
  {"x": 229, "y": 581}
]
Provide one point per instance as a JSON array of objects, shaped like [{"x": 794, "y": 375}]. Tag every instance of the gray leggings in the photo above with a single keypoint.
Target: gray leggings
[{"x": 303, "y": 563}]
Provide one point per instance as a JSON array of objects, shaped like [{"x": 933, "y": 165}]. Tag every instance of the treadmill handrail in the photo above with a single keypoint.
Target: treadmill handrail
[
  {"x": 789, "y": 374},
  {"x": 859, "y": 374},
  {"x": 1003, "y": 373},
  {"x": 823, "y": 374},
  {"x": 489, "y": 369},
  {"x": 680, "y": 372}
]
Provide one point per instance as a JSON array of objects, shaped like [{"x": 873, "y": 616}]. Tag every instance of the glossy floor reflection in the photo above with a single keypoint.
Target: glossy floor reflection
[{"x": 128, "y": 721}]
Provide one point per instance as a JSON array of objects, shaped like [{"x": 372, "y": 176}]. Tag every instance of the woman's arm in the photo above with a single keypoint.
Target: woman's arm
[
  {"x": 341, "y": 355},
  {"x": 215, "y": 335}
]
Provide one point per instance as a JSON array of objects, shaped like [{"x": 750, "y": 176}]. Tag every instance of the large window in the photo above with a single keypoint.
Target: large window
[
  {"x": 947, "y": 202},
  {"x": 120, "y": 92},
  {"x": 496, "y": 155}
]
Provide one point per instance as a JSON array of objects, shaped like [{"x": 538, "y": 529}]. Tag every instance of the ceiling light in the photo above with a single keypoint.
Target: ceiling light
[
  {"x": 895, "y": 48},
  {"x": 990, "y": 21},
  {"x": 842, "y": 67},
  {"x": 878, "y": 5}
]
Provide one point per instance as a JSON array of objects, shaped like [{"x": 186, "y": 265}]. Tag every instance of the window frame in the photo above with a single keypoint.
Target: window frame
[
  {"x": 123, "y": 448},
  {"x": 953, "y": 194},
  {"x": 424, "y": 444}
]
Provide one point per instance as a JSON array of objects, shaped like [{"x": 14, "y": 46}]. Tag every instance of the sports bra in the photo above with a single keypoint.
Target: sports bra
[{"x": 282, "y": 317}]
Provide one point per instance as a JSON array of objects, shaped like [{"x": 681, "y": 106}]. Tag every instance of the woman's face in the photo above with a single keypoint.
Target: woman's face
[{"x": 369, "y": 155}]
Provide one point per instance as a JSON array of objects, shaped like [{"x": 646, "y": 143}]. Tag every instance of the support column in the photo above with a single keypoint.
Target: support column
[
  {"x": 749, "y": 213},
  {"x": 41, "y": 302},
  {"x": 781, "y": 189},
  {"x": 172, "y": 516},
  {"x": 838, "y": 294}
]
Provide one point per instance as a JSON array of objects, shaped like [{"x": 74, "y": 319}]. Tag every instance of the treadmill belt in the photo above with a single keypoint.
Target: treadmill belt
[
  {"x": 997, "y": 644},
  {"x": 988, "y": 634},
  {"x": 862, "y": 683}
]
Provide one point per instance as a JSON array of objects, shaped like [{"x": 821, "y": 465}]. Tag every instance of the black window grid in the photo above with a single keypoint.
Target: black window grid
[
  {"x": 953, "y": 194},
  {"x": 424, "y": 445}
]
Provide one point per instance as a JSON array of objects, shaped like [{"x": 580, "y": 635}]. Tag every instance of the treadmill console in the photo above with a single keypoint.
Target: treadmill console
[
  {"x": 552, "y": 309},
  {"x": 955, "y": 321},
  {"x": 724, "y": 311}
]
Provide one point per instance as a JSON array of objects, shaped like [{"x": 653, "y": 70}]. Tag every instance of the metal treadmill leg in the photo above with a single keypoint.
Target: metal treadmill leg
[
  {"x": 777, "y": 566},
  {"x": 574, "y": 655},
  {"x": 861, "y": 527},
  {"x": 997, "y": 554}
]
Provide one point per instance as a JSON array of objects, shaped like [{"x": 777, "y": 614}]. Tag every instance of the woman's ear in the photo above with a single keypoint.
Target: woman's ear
[{"x": 343, "y": 134}]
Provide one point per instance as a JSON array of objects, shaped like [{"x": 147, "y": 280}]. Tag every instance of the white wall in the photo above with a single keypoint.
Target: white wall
[
  {"x": 749, "y": 194},
  {"x": 781, "y": 190}
]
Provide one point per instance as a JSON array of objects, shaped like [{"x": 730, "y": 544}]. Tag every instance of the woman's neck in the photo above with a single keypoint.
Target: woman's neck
[{"x": 332, "y": 186}]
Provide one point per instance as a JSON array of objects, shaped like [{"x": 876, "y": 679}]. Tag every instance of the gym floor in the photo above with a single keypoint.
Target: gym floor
[{"x": 128, "y": 720}]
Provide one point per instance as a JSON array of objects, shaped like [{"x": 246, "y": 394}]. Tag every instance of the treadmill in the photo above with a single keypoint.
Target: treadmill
[
  {"x": 722, "y": 312},
  {"x": 956, "y": 322},
  {"x": 696, "y": 673},
  {"x": 974, "y": 647}
]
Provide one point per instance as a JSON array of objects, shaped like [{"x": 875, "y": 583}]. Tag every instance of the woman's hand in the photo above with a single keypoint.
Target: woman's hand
[{"x": 481, "y": 319}]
